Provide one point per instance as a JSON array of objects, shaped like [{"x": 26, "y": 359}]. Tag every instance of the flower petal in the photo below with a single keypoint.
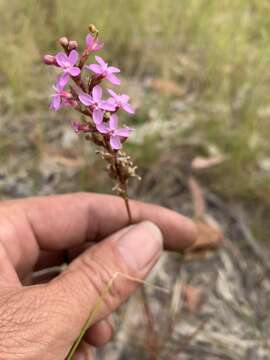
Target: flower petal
[
  {"x": 113, "y": 69},
  {"x": 62, "y": 80},
  {"x": 61, "y": 59},
  {"x": 74, "y": 71},
  {"x": 100, "y": 61},
  {"x": 123, "y": 132},
  {"x": 97, "y": 93},
  {"x": 103, "y": 128},
  {"x": 124, "y": 98},
  {"x": 98, "y": 45},
  {"x": 85, "y": 99},
  {"x": 112, "y": 101},
  {"x": 107, "y": 105},
  {"x": 115, "y": 142},
  {"x": 113, "y": 79},
  {"x": 95, "y": 68},
  {"x": 128, "y": 108},
  {"x": 89, "y": 40},
  {"x": 73, "y": 57},
  {"x": 112, "y": 93},
  {"x": 56, "y": 102},
  {"x": 113, "y": 122},
  {"x": 98, "y": 116}
]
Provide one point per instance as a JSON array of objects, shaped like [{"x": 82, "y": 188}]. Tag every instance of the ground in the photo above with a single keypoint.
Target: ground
[{"x": 225, "y": 315}]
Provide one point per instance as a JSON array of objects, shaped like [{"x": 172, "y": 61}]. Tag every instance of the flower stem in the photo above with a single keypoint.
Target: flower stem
[{"x": 126, "y": 199}]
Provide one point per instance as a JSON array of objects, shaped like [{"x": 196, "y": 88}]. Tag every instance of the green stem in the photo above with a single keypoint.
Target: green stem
[
  {"x": 97, "y": 308},
  {"x": 90, "y": 319}
]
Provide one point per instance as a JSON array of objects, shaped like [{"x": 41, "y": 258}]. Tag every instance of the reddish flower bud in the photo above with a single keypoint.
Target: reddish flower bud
[
  {"x": 63, "y": 41},
  {"x": 49, "y": 60},
  {"x": 72, "y": 45}
]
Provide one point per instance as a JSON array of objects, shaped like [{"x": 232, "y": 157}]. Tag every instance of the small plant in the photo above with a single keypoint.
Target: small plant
[{"x": 79, "y": 86}]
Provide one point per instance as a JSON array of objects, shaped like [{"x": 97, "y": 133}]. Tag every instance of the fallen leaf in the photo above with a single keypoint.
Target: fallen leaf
[
  {"x": 209, "y": 238},
  {"x": 200, "y": 163},
  {"x": 193, "y": 298}
]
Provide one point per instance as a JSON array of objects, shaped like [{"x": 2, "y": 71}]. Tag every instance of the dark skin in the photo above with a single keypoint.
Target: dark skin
[{"x": 42, "y": 321}]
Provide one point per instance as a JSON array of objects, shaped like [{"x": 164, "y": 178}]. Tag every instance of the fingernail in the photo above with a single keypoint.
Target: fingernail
[{"x": 141, "y": 245}]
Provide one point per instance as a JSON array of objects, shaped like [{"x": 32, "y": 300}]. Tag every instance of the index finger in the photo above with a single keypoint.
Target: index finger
[
  {"x": 63, "y": 221},
  {"x": 59, "y": 222}
]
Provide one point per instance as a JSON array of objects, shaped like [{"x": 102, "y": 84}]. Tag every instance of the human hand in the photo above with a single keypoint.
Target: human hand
[{"x": 42, "y": 321}]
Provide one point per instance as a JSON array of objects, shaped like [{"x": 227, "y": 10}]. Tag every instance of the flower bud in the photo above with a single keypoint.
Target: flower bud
[
  {"x": 49, "y": 60},
  {"x": 92, "y": 29},
  {"x": 72, "y": 45},
  {"x": 63, "y": 41}
]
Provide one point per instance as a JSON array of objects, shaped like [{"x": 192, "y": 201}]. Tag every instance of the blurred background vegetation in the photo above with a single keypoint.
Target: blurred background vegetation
[{"x": 198, "y": 71}]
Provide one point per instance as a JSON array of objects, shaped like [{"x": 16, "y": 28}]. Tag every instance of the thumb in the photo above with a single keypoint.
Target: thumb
[{"x": 132, "y": 251}]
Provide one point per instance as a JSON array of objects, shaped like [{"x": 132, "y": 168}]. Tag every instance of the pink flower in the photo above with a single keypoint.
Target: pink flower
[
  {"x": 60, "y": 97},
  {"x": 67, "y": 63},
  {"x": 116, "y": 134},
  {"x": 96, "y": 104},
  {"x": 103, "y": 70},
  {"x": 78, "y": 127},
  {"x": 93, "y": 44},
  {"x": 120, "y": 101}
]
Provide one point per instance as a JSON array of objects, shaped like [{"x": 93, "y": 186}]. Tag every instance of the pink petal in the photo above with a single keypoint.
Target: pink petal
[
  {"x": 113, "y": 69},
  {"x": 97, "y": 93},
  {"x": 112, "y": 93},
  {"x": 103, "y": 128},
  {"x": 89, "y": 40},
  {"x": 124, "y": 132},
  {"x": 107, "y": 105},
  {"x": 111, "y": 101},
  {"x": 61, "y": 59},
  {"x": 73, "y": 57},
  {"x": 97, "y": 46},
  {"x": 98, "y": 116},
  {"x": 128, "y": 108},
  {"x": 113, "y": 122},
  {"x": 62, "y": 80},
  {"x": 92, "y": 43},
  {"x": 85, "y": 99},
  {"x": 95, "y": 68},
  {"x": 124, "y": 98},
  {"x": 115, "y": 142},
  {"x": 56, "y": 102},
  {"x": 74, "y": 71},
  {"x": 113, "y": 79},
  {"x": 100, "y": 61}
]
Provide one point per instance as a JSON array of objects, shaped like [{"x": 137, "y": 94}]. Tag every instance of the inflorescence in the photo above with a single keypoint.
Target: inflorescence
[{"x": 79, "y": 86}]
